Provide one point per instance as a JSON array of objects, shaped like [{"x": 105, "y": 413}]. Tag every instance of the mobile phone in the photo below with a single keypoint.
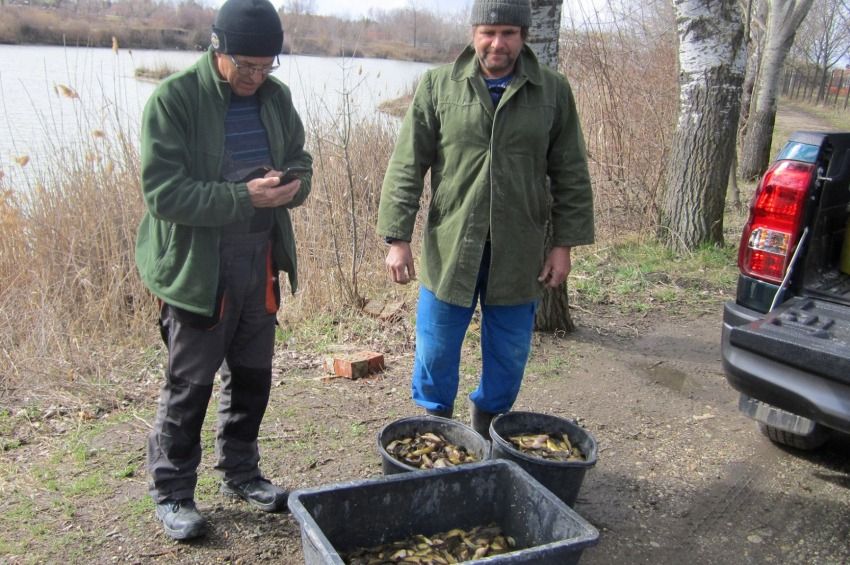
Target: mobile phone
[
  {"x": 292, "y": 173},
  {"x": 257, "y": 173}
]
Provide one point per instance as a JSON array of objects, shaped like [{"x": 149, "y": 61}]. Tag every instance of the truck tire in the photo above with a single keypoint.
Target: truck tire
[{"x": 813, "y": 440}]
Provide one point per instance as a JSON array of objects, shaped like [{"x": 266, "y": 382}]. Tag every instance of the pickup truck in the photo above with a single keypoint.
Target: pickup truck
[{"x": 786, "y": 336}]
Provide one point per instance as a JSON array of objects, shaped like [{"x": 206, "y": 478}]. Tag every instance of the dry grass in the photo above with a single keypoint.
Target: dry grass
[{"x": 68, "y": 288}]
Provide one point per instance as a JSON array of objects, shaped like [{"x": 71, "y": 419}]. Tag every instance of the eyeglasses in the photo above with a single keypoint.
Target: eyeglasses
[{"x": 247, "y": 71}]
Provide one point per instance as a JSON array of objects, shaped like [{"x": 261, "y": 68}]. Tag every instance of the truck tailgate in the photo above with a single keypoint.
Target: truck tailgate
[{"x": 811, "y": 334}]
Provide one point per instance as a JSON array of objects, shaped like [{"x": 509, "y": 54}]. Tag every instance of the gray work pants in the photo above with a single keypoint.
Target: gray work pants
[{"x": 240, "y": 333}]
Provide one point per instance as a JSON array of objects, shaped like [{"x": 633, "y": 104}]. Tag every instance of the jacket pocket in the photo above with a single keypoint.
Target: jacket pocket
[
  {"x": 166, "y": 241},
  {"x": 199, "y": 321}
]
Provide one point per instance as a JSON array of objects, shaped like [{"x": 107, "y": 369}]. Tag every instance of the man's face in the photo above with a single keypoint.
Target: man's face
[
  {"x": 244, "y": 74},
  {"x": 497, "y": 48}
]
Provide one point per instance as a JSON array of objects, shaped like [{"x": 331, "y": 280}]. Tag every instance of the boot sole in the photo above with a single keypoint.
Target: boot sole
[{"x": 180, "y": 535}]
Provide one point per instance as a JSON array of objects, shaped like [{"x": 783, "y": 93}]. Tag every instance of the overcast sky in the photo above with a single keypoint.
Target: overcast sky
[{"x": 359, "y": 8}]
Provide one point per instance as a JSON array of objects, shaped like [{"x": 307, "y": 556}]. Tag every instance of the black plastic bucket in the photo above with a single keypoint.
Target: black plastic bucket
[
  {"x": 563, "y": 478},
  {"x": 454, "y": 432}
]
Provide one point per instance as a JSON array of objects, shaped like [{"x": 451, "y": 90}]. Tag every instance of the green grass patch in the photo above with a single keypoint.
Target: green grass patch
[
  {"x": 208, "y": 485},
  {"x": 636, "y": 276},
  {"x": 65, "y": 507},
  {"x": 358, "y": 430},
  {"x": 137, "y": 509},
  {"x": 547, "y": 367},
  {"x": 92, "y": 484},
  {"x": 126, "y": 471}
]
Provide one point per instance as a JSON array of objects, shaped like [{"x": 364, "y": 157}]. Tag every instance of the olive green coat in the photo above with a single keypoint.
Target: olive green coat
[
  {"x": 488, "y": 174},
  {"x": 177, "y": 248}
]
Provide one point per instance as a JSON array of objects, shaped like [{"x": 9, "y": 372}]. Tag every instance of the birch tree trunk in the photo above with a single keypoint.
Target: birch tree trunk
[
  {"x": 783, "y": 20},
  {"x": 711, "y": 71},
  {"x": 545, "y": 30},
  {"x": 553, "y": 312}
]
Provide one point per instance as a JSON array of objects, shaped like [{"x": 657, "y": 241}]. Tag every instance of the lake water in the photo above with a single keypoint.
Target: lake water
[{"x": 35, "y": 120}]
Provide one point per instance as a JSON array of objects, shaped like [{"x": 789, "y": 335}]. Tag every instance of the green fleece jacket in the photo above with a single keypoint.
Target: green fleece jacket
[
  {"x": 489, "y": 169},
  {"x": 177, "y": 248}
]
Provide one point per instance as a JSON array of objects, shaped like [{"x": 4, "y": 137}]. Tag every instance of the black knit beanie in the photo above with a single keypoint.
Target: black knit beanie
[
  {"x": 501, "y": 12},
  {"x": 247, "y": 27}
]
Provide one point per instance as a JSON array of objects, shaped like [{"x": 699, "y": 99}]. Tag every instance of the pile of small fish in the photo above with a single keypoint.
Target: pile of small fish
[
  {"x": 429, "y": 451},
  {"x": 454, "y": 546},
  {"x": 553, "y": 447}
]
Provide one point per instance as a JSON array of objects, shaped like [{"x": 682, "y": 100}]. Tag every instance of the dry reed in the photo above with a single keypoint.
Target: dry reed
[{"x": 68, "y": 287}]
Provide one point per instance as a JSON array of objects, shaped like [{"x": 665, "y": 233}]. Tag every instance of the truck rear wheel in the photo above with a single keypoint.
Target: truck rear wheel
[{"x": 813, "y": 440}]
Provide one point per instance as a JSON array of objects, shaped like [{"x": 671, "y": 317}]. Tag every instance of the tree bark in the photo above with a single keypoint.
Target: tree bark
[
  {"x": 711, "y": 61},
  {"x": 754, "y": 36},
  {"x": 545, "y": 30},
  {"x": 755, "y": 45},
  {"x": 553, "y": 312},
  {"x": 784, "y": 18}
]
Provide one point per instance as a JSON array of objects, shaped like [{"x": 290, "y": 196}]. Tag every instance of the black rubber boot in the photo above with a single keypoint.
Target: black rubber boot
[
  {"x": 481, "y": 420},
  {"x": 447, "y": 413}
]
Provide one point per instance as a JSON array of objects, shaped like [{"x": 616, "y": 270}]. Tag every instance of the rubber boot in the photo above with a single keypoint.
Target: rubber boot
[
  {"x": 447, "y": 413},
  {"x": 481, "y": 420}
]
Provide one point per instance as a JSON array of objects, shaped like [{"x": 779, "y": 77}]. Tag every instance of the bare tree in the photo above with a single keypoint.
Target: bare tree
[
  {"x": 299, "y": 7},
  {"x": 711, "y": 72},
  {"x": 783, "y": 20},
  {"x": 824, "y": 38}
]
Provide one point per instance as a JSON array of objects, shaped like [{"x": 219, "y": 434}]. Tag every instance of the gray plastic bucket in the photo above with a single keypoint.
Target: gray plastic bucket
[
  {"x": 456, "y": 433},
  {"x": 563, "y": 478}
]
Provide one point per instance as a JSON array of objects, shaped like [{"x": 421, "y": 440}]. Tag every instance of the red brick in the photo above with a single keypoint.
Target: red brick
[{"x": 355, "y": 365}]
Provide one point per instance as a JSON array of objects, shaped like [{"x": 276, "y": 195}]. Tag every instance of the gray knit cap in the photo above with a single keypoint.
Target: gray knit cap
[{"x": 501, "y": 12}]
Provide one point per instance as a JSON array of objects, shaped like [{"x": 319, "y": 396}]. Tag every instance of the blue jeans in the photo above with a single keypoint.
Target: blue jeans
[{"x": 505, "y": 345}]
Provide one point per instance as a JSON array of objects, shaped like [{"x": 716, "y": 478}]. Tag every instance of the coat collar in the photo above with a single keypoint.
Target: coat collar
[{"x": 466, "y": 65}]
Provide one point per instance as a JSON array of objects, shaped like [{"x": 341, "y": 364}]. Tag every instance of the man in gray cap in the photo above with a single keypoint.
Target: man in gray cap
[
  {"x": 217, "y": 140},
  {"x": 492, "y": 127}
]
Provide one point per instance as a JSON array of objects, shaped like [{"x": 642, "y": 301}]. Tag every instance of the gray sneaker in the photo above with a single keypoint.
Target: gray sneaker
[
  {"x": 181, "y": 519},
  {"x": 259, "y": 492}
]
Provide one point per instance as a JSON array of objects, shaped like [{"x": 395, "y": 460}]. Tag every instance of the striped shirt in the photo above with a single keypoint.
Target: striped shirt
[{"x": 246, "y": 148}]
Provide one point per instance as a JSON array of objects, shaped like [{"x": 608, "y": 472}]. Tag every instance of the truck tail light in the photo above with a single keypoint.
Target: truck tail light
[{"x": 775, "y": 222}]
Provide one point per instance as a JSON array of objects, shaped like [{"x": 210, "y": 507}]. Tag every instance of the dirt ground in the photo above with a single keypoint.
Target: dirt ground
[{"x": 680, "y": 472}]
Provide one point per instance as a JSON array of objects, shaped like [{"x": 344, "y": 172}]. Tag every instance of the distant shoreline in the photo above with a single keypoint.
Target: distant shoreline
[{"x": 170, "y": 28}]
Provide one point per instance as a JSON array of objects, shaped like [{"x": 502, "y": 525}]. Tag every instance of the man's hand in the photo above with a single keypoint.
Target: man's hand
[
  {"x": 556, "y": 268},
  {"x": 265, "y": 193},
  {"x": 399, "y": 262}
]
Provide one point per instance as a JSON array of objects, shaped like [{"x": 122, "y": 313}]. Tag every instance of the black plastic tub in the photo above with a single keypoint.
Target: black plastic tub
[
  {"x": 564, "y": 478},
  {"x": 366, "y": 513},
  {"x": 455, "y": 432}
]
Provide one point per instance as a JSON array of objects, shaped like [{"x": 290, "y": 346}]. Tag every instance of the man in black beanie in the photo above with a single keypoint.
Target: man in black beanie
[
  {"x": 492, "y": 128},
  {"x": 217, "y": 139}
]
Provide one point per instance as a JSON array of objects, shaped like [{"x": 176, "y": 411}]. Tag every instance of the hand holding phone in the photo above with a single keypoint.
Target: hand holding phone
[{"x": 291, "y": 174}]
